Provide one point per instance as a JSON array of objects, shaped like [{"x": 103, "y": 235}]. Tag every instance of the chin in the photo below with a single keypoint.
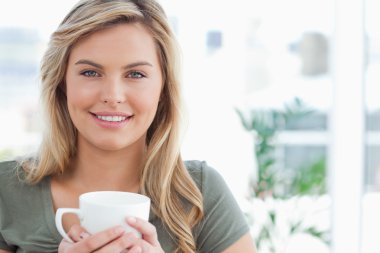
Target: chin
[
  {"x": 111, "y": 147},
  {"x": 116, "y": 145}
]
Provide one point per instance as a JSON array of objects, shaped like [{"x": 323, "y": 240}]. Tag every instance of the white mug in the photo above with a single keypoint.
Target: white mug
[{"x": 105, "y": 209}]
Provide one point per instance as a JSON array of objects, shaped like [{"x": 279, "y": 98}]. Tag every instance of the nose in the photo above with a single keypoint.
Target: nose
[{"x": 112, "y": 92}]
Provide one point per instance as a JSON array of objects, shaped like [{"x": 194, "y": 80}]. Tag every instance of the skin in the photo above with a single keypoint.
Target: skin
[{"x": 112, "y": 70}]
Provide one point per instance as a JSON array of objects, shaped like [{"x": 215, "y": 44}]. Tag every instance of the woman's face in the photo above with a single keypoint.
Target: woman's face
[{"x": 113, "y": 86}]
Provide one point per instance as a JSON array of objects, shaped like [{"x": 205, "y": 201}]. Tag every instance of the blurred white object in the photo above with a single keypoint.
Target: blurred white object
[
  {"x": 280, "y": 225},
  {"x": 301, "y": 243},
  {"x": 370, "y": 222}
]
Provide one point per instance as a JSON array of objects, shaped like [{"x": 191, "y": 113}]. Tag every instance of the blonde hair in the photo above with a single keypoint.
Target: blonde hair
[{"x": 164, "y": 177}]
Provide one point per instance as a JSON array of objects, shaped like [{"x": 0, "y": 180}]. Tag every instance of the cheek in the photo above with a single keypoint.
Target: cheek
[
  {"x": 150, "y": 101},
  {"x": 75, "y": 101},
  {"x": 78, "y": 95},
  {"x": 147, "y": 105},
  {"x": 73, "y": 97},
  {"x": 147, "y": 102}
]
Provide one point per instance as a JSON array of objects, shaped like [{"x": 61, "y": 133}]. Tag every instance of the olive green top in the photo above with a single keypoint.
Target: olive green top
[{"x": 27, "y": 214}]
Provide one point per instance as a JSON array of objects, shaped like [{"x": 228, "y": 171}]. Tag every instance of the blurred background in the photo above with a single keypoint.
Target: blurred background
[{"x": 282, "y": 99}]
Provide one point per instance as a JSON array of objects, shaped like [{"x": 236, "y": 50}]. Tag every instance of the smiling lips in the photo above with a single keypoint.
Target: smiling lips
[{"x": 111, "y": 120}]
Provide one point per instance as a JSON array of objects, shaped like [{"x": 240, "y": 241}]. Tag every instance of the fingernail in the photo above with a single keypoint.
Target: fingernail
[
  {"x": 131, "y": 220},
  {"x": 84, "y": 235}
]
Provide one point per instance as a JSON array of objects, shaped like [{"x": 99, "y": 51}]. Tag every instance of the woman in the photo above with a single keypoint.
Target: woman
[{"x": 111, "y": 92}]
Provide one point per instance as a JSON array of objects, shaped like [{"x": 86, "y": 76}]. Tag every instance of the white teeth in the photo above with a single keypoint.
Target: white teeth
[{"x": 111, "y": 118}]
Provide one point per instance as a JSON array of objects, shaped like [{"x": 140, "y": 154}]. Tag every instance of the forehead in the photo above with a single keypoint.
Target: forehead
[{"x": 122, "y": 40}]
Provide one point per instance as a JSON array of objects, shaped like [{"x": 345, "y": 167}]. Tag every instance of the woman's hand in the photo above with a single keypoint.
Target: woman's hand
[
  {"x": 113, "y": 240},
  {"x": 149, "y": 242}
]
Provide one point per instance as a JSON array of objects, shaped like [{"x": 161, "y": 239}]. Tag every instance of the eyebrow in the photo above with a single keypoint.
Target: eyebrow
[{"x": 99, "y": 66}]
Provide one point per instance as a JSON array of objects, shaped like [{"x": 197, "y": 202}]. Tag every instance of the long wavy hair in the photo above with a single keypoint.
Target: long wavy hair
[{"x": 164, "y": 177}]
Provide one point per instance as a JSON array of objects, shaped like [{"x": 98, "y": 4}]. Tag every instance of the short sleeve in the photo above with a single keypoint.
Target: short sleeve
[{"x": 224, "y": 222}]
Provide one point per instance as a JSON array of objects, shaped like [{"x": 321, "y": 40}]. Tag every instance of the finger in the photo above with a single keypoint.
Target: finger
[
  {"x": 121, "y": 244},
  {"x": 99, "y": 240},
  {"x": 135, "y": 249},
  {"x": 147, "y": 230},
  {"x": 77, "y": 233},
  {"x": 64, "y": 245}
]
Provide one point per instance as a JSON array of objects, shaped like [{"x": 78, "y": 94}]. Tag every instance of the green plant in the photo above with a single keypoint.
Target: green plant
[
  {"x": 274, "y": 206},
  {"x": 309, "y": 179},
  {"x": 265, "y": 125},
  {"x": 275, "y": 222}
]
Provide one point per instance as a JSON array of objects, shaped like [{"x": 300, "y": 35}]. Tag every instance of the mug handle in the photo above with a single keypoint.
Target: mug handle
[{"x": 58, "y": 220}]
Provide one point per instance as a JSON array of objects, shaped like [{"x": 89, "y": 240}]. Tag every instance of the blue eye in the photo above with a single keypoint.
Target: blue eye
[
  {"x": 90, "y": 73},
  {"x": 136, "y": 75}
]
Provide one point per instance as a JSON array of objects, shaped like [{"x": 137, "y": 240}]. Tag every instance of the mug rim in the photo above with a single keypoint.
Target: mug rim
[{"x": 137, "y": 198}]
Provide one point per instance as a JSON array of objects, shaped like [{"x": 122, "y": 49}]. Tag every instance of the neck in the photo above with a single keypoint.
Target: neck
[{"x": 95, "y": 170}]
